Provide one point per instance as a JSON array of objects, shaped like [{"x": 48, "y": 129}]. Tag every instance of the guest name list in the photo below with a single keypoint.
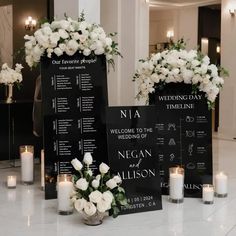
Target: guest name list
[{"x": 74, "y": 91}]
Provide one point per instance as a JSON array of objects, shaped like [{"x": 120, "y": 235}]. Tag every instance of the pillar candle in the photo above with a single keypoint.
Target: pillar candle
[
  {"x": 27, "y": 166},
  {"x": 11, "y": 181},
  {"x": 65, "y": 188},
  {"x": 176, "y": 186},
  {"x": 221, "y": 184},
  {"x": 207, "y": 193}
]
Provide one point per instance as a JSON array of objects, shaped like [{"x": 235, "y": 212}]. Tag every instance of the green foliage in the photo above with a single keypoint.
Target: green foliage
[
  {"x": 180, "y": 44},
  {"x": 82, "y": 16}
]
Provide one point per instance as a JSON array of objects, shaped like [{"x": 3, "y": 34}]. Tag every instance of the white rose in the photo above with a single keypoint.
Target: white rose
[
  {"x": 103, "y": 206},
  {"x": 95, "y": 183},
  {"x": 99, "y": 51},
  {"x": 103, "y": 168},
  {"x": 108, "y": 57},
  {"x": 88, "y": 159},
  {"x": 58, "y": 51},
  {"x": 93, "y": 35},
  {"x": 107, "y": 196},
  {"x": 28, "y": 45},
  {"x": 49, "y": 52},
  {"x": 75, "y": 36},
  {"x": 111, "y": 183},
  {"x": 98, "y": 177},
  {"x": 117, "y": 179},
  {"x": 63, "y": 34},
  {"x": 90, "y": 208},
  {"x": 82, "y": 184},
  {"x": 95, "y": 196},
  {"x": 76, "y": 164},
  {"x": 87, "y": 52},
  {"x": 108, "y": 41},
  {"x": 195, "y": 63},
  {"x": 62, "y": 46},
  {"x": 82, "y": 38},
  {"x": 18, "y": 67},
  {"x": 55, "y": 25},
  {"x": 47, "y": 30},
  {"x": 80, "y": 204},
  {"x": 71, "y": 47},
  {"x": 64, "y": 24},
  {"x": 206, "y": 60}
]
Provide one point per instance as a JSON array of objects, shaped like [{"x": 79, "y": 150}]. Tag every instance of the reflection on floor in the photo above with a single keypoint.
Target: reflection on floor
[{"x": 24, "y": 212}]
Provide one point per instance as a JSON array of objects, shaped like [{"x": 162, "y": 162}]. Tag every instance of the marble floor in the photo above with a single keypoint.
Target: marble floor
[{"x": 24, "y": 212}]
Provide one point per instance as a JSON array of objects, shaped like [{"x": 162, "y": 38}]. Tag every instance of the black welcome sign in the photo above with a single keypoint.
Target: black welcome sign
[
  {"x": 74, "y": 93},
  {"x": 184, "y": 137},
  {"x": 133, "y": 155}
]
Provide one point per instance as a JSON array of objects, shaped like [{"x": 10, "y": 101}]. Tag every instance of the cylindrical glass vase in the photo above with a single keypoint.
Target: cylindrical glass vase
[
  {"x": 11, "y": 181},
  {"x": 64, "y": 190},
  {"x": 27, "y": 164},
  {"x": 9, "y": 93},
  {"x": 176, "y": 184},
  {"x": 208, "y": 194},
  {"x": 221, "y": 185}
]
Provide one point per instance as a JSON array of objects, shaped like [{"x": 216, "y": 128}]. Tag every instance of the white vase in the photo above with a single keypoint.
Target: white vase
[
  {"x": 9, "y": 93},
  {"x": 93, "y": 220}
]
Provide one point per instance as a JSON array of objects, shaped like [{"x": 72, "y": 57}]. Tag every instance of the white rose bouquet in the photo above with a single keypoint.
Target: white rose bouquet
[
  {"x": 177, "y": 65},
  {"x": 9, "y": 75},
  {"x": 69, "y": 36},
  {"x": 98, "y": 194}
]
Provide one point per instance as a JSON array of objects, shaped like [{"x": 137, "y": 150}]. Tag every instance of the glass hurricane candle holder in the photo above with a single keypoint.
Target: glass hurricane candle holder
[
  {"x": 176, "y": 184},
  {"x": 27, "y": 164},
  {"x": 208, "y": 194},
  {"x": 221, "y": 185},
  {"x": 64, "y": 190}
]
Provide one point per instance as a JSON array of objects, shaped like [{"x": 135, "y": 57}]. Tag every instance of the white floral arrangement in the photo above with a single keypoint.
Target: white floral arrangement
[
  {"x": 178, "y": 65},
  {"x": 9, "y": 75},
  {"x": 96, "y": 194},
  {"x": 69, "y": 36}
]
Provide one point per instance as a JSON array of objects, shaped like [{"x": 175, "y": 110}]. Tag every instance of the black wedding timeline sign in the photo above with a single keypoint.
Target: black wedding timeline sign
[
  {"x": 184, "y": 137},
  {"x": 74, "y": 93},
  {"x": 133, "y": 156}
]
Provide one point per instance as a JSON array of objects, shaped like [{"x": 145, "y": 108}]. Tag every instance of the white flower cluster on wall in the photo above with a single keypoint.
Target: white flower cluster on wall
[
  {"x": 69, "y": 36},
  {"x": 9, "y": 75},
  {"x": 177, "y": 66}
]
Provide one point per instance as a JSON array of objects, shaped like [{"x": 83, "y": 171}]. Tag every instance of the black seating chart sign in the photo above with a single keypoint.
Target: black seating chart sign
[
  {"x": 133, "y": 156},
  {"x": 184, "y": 137},
  {"x": 74, "y": 93}
]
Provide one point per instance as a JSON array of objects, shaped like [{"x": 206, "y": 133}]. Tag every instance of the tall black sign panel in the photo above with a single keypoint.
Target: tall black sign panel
[
  {"x": 74, "y": 92},
  {"x": 133, "y": 156},
  {"x": 183, "y": 124}
]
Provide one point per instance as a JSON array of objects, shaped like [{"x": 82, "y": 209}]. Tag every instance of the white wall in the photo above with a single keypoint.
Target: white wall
[
  {"x": 6, "y": 35},
  {"x": 183, "y": 21},
  {"x": 188, "y": 26},
  {"x": 73, "y": 8},
  {"x": 91, "y": 9},
  {"x": 70, "y": 7},
  {"x": 111, "y": 23},
  {"x": 130, "y": 19},
  {"x": 228, "y": 52}
]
